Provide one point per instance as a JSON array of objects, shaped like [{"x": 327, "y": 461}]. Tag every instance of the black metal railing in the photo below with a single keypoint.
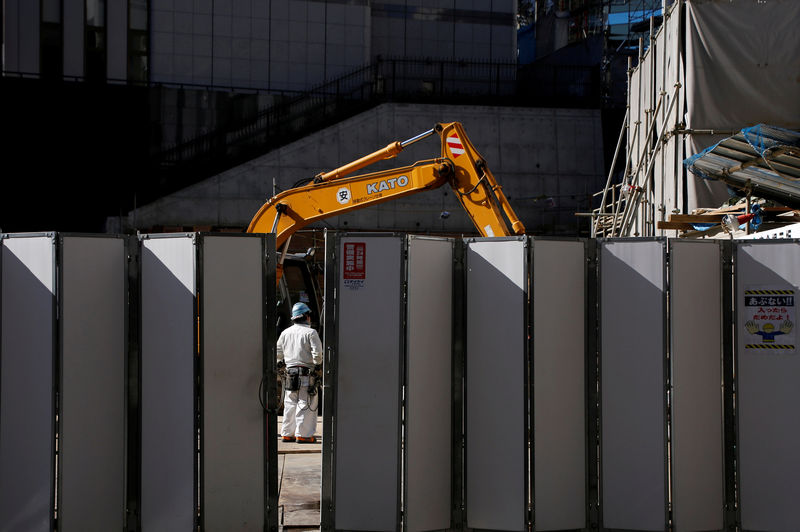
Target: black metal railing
[
  {"x": 384, "y": 80},
  {"x": 295, "y": 115}
]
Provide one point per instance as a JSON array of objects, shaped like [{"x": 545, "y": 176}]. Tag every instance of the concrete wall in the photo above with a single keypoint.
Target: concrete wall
[{"x": 547, "y": 160}]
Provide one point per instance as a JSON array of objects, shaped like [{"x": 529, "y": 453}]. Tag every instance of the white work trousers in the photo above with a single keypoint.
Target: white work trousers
[{"x": 299, "y": 412}]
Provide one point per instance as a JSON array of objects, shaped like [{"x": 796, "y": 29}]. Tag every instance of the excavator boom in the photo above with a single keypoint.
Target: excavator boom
[{"x": 335, "y": 192}]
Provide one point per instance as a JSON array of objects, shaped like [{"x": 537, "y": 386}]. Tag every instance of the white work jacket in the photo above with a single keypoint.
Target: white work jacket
[{"x": 299, "y": 345}]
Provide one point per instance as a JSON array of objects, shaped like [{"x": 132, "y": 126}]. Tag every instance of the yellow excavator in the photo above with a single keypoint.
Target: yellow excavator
[{"x": 337, "y": 192}]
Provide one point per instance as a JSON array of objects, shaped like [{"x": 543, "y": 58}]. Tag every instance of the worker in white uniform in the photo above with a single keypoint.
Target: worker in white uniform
[{"x": 300, "y": 350}]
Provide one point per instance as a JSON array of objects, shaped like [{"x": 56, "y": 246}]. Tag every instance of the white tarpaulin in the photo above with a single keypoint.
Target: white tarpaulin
[
  {"x": 742, "y": 68},
  {"x": 714, "y": 68}
]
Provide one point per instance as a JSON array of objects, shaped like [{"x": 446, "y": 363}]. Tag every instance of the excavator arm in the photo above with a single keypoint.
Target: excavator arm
[{"x": 335, "y": 192}]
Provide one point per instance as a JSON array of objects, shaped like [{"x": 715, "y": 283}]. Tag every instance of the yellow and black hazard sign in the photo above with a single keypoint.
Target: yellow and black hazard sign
[
  {"x": 768, "y": 346},
  {"x": 768, "y": 292}
]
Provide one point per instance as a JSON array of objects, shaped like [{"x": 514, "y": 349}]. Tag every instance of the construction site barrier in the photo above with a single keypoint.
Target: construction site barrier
[
  {"x": 27, "y": 370},
  {"x": 767, "y": 278},
  {"x": 559, "y": 373},
  {"x": 92, "y": 398},
  {"x": 494, "y": 384},
  {"x": 362, "y": 414},
  {"x": 697, "y": 312},
  {"x": 496, "y": 391},
  {"x": 632, "y": 329},
  {"x": 429, "y": 393}
]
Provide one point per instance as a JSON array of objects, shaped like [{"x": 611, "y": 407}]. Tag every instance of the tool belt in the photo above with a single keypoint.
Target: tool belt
[{"x": 291, "y": 382}]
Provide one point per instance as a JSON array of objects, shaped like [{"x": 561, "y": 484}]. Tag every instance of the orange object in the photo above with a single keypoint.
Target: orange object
[{"x": 333, "y": 193}]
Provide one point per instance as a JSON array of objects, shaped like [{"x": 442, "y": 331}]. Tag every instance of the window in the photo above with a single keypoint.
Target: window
[
  {"x": 137, "y": 40},
  {"x": 51, "y": 39},
  {"x": 95, "y": 40}
]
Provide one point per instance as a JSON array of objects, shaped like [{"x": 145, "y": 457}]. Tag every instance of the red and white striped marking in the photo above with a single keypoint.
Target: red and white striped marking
[{"x": 454, "y": 143}]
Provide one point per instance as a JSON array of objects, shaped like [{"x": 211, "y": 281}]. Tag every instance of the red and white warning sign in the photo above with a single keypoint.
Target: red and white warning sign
[
  {"x": 354, "y": 270},
  {"x": 454, "y": 143}
]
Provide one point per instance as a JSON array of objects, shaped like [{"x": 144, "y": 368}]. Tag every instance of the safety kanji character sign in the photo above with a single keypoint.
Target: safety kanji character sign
[
  {"x": 769, "y": 319},
  {"x": 354, "y": 268}
]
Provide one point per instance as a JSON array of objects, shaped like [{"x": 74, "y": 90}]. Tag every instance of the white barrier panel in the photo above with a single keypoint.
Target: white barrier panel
[
  {"x": 368, "y": 370},
  {"x": 697, "y": 406},
  {"x": 559, "y": 384},
  {"x": 496, "y": 428},
  {"x": 168, "y": 348},
  {"x": 26, "y": 390},
  {"x": 93, "y": 309},
  {"x": 428, "y": 440},
  {"x": 633, "y": 399},
  {"x": 768, "y": 370},
  {"x": 233, "y": 353}
]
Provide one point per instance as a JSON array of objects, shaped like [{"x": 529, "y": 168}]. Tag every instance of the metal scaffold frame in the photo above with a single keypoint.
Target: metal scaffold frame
[
  {"x": 629, "y": 207},
  {"x": 694, "y": 88}
]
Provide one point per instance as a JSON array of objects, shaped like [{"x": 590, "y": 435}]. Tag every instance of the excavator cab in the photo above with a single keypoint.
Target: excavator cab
[{"x": 299, "y": 283}]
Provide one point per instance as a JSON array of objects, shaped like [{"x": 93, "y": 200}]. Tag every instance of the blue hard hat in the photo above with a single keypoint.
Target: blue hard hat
[{"x": 299, "y": 310}]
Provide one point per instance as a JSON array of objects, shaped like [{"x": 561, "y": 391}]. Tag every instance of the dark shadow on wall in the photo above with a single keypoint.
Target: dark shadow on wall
[
  {"x": 167, "y": 451},
  {"x": 27, "y": 417},
  {"x": 632, "y": 384},
  {"x": 496, "y": 457},
  {"x": 73, "y": 153}
]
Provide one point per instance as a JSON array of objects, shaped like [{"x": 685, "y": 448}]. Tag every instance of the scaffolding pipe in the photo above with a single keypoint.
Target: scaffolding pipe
[
  {"x": 622, "y": 133},
  {"x": 617, "y": 202},
  {"x": 637, "y": 173},
  {"x": 659, "y": 143}
]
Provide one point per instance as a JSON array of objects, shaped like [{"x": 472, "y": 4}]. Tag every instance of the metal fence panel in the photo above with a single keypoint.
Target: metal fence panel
[
  {"x": 428, "y": 439},
  {"x": 696, "y": 318},
  {"x": 233, "y": 464},
  {"x": 92, "y": 399},
  {"x": 768, "y": 368},
  {"x": 27, "y": 353},
  {"x": 168, "y": 349},
  {"x": 368, "y": 377},
  {"x": 496, "y": 427},
  {"x": 559, "y": 384},
  {"x": 633, "y": 398}
]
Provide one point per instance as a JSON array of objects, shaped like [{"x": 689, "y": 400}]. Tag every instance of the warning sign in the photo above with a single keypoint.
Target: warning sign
[
  {"x": 769, "y": 318},
  {"x": 355, "y": 265},
  {"x": 454, "y": 143},
  {"x": 343, "y": 195}
]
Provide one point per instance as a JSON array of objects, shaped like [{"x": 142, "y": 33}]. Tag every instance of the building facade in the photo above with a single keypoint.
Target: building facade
[{"x": 268, "y": 45}]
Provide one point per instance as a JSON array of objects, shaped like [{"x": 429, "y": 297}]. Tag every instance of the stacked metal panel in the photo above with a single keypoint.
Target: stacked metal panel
[
  {"x": 64, "y": 329},
  {"x": 633, "y": 384},
  {"x": 216, "y": 283},
  {"x": 560, "y": 290},
  {"x": 768, "y": 368},
  {"x": 234, "y": 348},
  {"x": 697, "y": 313},
  {"x": 27, "y": 370},
  {"x": 92, "y": 446},
  {"x": 368, "y": 366},
  {"x": 429, "y": 391},
  {"x": 168, "y": 359},
  {"x": 496, "y": 461}
]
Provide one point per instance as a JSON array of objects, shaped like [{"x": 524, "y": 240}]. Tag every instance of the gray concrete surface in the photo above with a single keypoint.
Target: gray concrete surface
[
  {"x": 548, "y": 161},
  {"x": 299, "y": 483}
]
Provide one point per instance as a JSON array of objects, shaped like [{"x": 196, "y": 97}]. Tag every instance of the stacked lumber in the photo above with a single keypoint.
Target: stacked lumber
[{"x": 714, "y": 217}]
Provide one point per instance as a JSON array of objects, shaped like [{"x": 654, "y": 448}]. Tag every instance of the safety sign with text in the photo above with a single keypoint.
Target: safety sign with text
[
  {"x": 355, "y": 264},
  {"x": 769, "y": 318}
]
